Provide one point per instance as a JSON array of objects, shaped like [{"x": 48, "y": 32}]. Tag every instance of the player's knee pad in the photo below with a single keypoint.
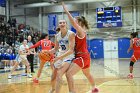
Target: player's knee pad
[{"x": 131, "y": 63}]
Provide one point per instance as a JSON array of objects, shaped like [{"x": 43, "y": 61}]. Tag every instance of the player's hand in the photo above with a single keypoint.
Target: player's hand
[
  {"x": 56, "y": 59},
  {"x": 35, "y": 53},
  {"x": 28, "y": 53},
  {"x": 27, "y": 49},
  {"x": 64, "y": 6}
]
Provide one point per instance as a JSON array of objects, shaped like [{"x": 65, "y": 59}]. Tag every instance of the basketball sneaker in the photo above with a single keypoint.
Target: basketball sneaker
[
  {"x": 35, "y": 80},
  {"x": 5, "y": 68},
  {"x": 9, "y": 76},
  {"x": 51, "y": 91},
  {"x": 29, "y": 75},
  {"x": 95, "y": 90},
  {"x": 130, "y": 76}
]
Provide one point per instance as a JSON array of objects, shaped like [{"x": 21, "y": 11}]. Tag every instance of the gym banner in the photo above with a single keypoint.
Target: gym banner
[
  {"x": 52, "y": 24},
  {"x": 3, "y": 3}
]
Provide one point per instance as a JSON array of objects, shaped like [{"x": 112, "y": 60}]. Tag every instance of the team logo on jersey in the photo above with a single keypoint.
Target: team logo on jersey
[{"x": 63, "y": 42}]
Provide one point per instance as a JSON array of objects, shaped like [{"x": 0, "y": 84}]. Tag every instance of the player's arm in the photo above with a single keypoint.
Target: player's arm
[
  {"x": 79, "y": 30},
  {"x": 71, "y": 47},
  {"x": 34, "y": 52},
  {"x": 52, "y": 44},
  {"x": 21, "y": 52},
  {"x": 56, "y": 47},
  {"x": 36, "y": 45},
  {"x": 28, "y": 51},
  {"x": 131, "y": 46}
]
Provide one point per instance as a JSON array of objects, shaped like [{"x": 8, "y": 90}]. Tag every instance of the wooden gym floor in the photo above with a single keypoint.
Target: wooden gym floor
[{"x": 110, "y": 76}]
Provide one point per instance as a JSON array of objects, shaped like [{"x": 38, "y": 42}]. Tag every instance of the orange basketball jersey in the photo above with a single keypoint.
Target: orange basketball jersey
[
  {"x": 44, "y": 43},
  {"x": 136, "y": 44}
]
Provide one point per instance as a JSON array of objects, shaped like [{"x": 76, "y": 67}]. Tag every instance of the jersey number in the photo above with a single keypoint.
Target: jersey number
[
  {"x": 138, "y": 43},
  {"x": 63, "y": 47},
  {"x": 45, "y": 44}
]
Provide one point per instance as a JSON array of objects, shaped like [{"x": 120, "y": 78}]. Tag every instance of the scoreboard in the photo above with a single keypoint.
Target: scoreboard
[{"x": 109, "y": 17}]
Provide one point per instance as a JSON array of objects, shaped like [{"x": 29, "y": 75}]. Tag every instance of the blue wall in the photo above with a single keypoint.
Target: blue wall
[
  {"x": 123, "y": 45},
  {"x": 96, "y": 47}
]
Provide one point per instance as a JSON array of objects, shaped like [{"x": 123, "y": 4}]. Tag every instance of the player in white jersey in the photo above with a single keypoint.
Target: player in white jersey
[
  {"x": 64, "y": 46},
  {"x": 22, "y": 57}
]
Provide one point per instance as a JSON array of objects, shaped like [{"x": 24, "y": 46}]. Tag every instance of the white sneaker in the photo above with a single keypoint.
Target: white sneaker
[
  {"x": 9, "y": 76},
  {"x": 8, "y": 68},
  {"x": 29, "y": 75},
  {"x": 11, "y": 67},
  {"x": 23, "y": 66},
  {"x": 130, "y": 76},
  {"x": 5, "y": 68},
  {"x": 18, "y": 67},
  {"x": 51, "y": 91}
]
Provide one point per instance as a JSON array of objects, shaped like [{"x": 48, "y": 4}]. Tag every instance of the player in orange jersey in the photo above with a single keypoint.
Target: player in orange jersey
[
  {"x": 135, "y": 45},
  {"x": 45, "y": 44}
]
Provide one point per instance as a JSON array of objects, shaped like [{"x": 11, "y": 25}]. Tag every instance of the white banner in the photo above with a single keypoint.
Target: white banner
[{"x": 2, "y": 10}]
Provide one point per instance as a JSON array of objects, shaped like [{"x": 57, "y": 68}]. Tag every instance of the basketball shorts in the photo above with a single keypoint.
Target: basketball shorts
[
  {"x": 82, "y": 61},
  {"x": 135, "y": 56},
  {"x": 21, "y": 58},
  {"x": 67, "y": 59}
]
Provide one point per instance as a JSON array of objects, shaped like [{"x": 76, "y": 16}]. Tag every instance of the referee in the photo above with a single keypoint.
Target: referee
[{"x": 31, "y": 56}]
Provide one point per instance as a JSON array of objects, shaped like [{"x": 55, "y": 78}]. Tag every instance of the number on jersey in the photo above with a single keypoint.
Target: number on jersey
[
  {"x": 45, "y": 44},
  {"x": 138, "y": 43},
  {"x": 63, "y": 47}
]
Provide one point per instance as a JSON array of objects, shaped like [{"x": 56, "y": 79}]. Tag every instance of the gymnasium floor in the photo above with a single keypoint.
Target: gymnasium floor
[{"x": 110, "y": 76}]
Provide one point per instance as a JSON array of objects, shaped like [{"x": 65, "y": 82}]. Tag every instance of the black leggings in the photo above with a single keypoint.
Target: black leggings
[{"x": 30, "y": 59}]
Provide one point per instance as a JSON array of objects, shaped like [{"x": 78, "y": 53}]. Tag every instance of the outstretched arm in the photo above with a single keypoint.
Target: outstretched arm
[
  {"x": 52, "y": 44},
  {"x": 36, "y": 45},
  {"x": 79, "y": 30},
  {"x": 56, "y": 46}
]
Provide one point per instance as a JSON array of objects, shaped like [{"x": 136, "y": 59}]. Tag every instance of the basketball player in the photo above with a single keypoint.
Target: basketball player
[
  {"x": 82, "y": 56},
  {"x": 45, "y": 44},
  {"x": 22, "y": 57},
  {"x": 135, "y": 45},
  {"x": 64, "y": 44}
]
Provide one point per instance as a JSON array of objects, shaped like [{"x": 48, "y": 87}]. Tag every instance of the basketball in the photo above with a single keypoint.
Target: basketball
[{"x": 44, "y": 56}]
